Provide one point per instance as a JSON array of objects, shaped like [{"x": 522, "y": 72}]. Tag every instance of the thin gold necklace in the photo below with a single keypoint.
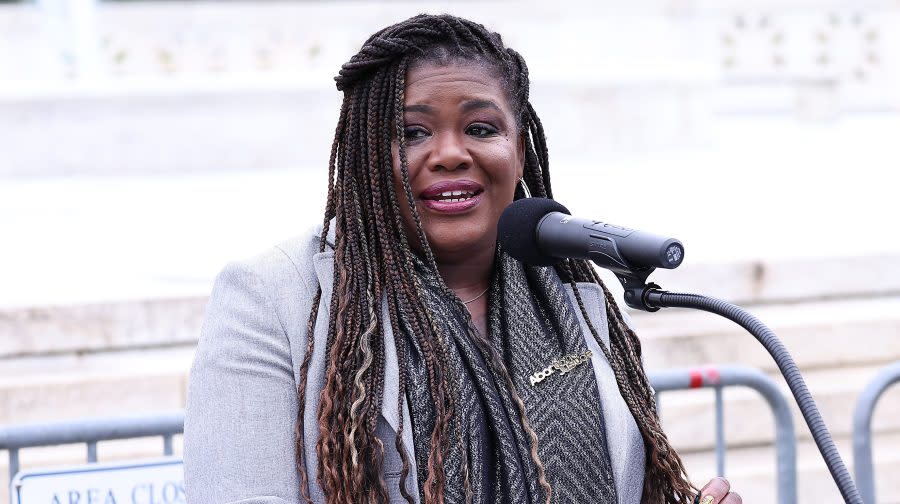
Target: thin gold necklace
[{"x": 476, "y": 297}]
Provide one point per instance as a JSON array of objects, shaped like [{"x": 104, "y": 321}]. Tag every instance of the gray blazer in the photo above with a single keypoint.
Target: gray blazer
[{"x": 242, "y": 401}]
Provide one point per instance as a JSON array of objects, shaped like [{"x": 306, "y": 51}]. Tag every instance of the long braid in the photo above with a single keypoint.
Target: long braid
[
  {"x": 310, "y": 325},
  {"x": 363, "y": 402},
  {"x": 396, "y": 243},
  {"x": 373, "y": 256}
]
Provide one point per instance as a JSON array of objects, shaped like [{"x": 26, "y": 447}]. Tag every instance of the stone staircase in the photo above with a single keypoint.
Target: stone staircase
[
  {"x": 133, "y": 357},
  {"x": 68, "y": 362}
]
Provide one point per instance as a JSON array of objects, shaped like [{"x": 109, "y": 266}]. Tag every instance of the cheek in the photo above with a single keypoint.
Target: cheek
[{"x": 504, "y": 167}]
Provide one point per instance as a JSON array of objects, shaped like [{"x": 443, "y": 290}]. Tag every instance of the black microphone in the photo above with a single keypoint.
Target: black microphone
[{"x": 540, "y": 232}]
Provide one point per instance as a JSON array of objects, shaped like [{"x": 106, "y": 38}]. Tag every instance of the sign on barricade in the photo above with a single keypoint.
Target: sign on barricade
[{"x": 158, "y": 481}]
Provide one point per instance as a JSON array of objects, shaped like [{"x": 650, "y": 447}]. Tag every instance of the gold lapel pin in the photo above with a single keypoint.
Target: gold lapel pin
[{"x": 562, "y": 365}]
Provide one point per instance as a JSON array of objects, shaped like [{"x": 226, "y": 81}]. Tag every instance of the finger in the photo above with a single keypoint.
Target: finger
[
  {"x": 732, "y": 498},
  {"x": 714, "y": 491}
]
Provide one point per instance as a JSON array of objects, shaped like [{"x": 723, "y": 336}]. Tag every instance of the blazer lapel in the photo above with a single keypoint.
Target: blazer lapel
[
  {"x": 624, "y": 441},
  {"x": 323, "y": 262}
]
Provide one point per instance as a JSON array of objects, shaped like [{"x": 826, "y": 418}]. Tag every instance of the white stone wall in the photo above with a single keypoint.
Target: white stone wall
[{"x": 242, "y": 85}]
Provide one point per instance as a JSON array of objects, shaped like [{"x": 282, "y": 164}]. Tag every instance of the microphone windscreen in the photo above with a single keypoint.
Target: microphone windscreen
[{"x": 517, "y": 229}]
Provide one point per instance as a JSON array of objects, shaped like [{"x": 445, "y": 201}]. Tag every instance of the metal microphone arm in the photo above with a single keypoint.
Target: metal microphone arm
[{"x": 649, "y": 297}]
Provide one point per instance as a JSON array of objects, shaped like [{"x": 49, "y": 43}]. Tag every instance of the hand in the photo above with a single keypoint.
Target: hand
[{"x": 717, "y": 491}]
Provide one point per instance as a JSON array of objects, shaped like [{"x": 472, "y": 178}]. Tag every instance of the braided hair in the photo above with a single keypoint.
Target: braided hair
[{"x": 373, "y": 259}]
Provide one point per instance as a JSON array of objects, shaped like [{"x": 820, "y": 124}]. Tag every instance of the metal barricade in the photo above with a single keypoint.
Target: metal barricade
[
  {"x": 89, "y": 431},
  {"x": 729, "y": 376},
  {"x": 862, "y": 429}
]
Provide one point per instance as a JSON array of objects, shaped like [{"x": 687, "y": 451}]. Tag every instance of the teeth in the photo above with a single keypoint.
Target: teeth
[{"x": 455, "y": 196}]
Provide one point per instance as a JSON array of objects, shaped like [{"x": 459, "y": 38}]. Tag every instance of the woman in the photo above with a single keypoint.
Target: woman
[{"x": 394, "y": 356}]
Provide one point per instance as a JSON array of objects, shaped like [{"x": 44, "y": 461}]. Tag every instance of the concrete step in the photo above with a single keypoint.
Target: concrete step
[
  {"x": 59, "y": 387},
  {"x": 820, "y": 334},
  {"x": 752, "y": 471},
  {"x": 122, "y": 325},
  {"x": 786, "y": 278},
  {"x": 812, "y": 329},
  {"x": 689, "y": 416}
]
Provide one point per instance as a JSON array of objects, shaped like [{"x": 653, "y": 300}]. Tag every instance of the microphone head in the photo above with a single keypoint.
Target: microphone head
[{"x": 517, "y": 229}]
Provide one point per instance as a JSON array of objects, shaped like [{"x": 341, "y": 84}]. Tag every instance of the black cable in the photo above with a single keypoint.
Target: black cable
[{"x": 788, "y": 368}]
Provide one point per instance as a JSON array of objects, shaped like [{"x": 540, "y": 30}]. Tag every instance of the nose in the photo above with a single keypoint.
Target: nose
[{"x": 450, "y": 153}]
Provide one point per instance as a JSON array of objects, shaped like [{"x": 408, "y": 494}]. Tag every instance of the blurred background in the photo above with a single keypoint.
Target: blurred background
[{"x": 144, "y": 144}]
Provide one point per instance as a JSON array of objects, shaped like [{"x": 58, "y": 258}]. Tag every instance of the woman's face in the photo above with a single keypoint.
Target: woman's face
[{"x": 464, "y": 155}]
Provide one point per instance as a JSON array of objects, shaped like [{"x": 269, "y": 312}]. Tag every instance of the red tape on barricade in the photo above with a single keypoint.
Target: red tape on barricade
[{"x": 709, "y": 375}]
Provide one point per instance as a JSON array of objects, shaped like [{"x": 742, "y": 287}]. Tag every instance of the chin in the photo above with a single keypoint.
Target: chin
[{"x": 450, "y": 242}]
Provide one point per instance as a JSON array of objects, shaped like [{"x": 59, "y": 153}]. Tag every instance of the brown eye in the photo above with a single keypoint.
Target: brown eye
[
  {"x": 481, "y": 130},
  {"x": 413, "y": 133}
]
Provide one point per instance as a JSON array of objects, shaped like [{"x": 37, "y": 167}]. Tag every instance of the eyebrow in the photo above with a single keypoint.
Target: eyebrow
[
  {"x": 425, "y": 109},
  {"x": 471, "y": 105},
  {"x": 467, "y": 106}
]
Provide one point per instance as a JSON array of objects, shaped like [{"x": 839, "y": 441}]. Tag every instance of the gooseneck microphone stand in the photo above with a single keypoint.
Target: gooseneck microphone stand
[
  {"x": 540, "y": 231},
  {"x": 649, "y": 297}
]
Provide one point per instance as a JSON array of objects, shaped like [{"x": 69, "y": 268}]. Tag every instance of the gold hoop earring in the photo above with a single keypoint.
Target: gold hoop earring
[{"x": 525, "y": 190}]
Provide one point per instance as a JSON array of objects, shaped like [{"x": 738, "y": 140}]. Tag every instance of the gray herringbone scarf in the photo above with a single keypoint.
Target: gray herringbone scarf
[{"x": 531, "y": 323}]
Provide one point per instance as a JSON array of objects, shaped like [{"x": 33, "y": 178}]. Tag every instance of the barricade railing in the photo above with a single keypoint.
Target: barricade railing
[
  {"x": 89, "y": 432},
  {"x": 718, "y": 377},
  {"x": 862, "y": 429},
  {"x": 167, "y": 425}
]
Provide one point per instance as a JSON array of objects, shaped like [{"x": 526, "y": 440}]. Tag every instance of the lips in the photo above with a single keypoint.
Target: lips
[{"x": 452, "y": 196}]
